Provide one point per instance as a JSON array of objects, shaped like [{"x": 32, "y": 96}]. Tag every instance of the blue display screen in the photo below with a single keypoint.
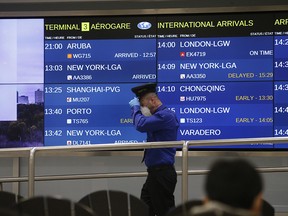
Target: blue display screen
[{"x": 224, "y": 75}]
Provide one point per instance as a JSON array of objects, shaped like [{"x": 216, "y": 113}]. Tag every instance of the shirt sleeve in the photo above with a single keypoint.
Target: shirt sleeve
[{"x": 152, "y": 123}]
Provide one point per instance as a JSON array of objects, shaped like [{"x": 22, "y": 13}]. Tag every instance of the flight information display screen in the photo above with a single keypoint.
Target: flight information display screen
[{"x": 224, "y": 75}]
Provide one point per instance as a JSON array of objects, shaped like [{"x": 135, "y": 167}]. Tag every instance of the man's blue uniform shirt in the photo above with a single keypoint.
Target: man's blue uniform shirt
[{"x": 161, "y": 126}]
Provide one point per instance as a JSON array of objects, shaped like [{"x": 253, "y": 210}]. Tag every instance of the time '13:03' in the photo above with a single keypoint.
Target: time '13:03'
[{"x": 53, "y": 68}]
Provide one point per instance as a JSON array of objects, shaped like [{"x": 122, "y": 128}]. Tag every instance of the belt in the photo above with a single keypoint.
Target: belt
[{"x": 160, "y": 167}]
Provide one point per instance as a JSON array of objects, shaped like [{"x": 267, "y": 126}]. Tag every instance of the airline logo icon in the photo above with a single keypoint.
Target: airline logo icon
[{"x": 144, "y": 25}]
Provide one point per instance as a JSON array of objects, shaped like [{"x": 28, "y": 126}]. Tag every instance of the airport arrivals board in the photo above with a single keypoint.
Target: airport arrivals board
[{"x": 224, "y": 75}]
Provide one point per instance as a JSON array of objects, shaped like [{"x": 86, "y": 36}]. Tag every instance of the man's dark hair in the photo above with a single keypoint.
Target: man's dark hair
[{"x": 233, "y": 182}]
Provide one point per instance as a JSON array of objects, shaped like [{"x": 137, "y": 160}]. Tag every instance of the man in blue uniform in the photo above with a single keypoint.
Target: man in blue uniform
[{"x": 151, "y": 116}]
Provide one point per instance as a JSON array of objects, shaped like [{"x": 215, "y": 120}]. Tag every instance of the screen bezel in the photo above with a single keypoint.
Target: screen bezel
[{"x": 23, "y": 12}]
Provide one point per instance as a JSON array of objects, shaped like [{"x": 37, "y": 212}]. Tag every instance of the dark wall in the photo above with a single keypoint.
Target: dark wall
[{"x": 41, "y": 8}]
